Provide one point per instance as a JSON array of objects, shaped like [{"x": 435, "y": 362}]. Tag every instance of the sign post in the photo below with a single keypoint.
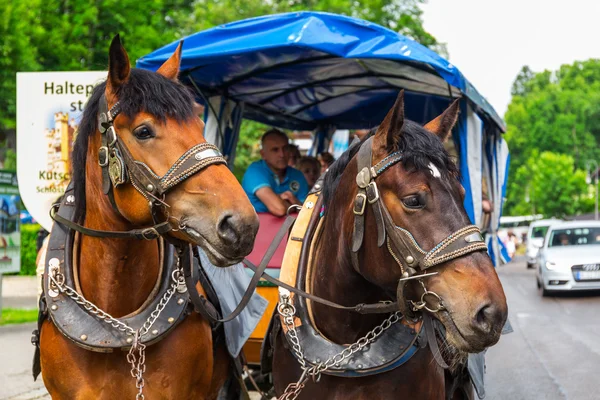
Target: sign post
[
  {"x": 10, "y": 236},
  {"x": 49, "y": 108}
]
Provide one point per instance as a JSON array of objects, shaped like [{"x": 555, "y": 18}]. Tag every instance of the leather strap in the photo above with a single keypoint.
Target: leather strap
[
  {"x": 151, "y": 233},
  {"x": 190, "y": 273},
  {"x": 432, "y": 340},
  {"x": 200, "y": 301}
]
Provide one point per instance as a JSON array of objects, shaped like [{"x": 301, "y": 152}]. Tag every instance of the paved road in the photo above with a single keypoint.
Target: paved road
[
  {"x": 554, "y": 352},
  {"x": 16, "y": 353}
]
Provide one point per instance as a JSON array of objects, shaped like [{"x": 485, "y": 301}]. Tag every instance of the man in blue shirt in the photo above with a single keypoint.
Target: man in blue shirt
[{"x": 271, "y": 185}]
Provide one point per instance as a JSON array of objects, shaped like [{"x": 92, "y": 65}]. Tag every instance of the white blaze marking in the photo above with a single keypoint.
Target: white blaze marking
[{"x": 434, "y": 171}]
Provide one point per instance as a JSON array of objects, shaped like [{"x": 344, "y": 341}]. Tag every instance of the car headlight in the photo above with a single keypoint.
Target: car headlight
[{"x": 551, "y": 265}]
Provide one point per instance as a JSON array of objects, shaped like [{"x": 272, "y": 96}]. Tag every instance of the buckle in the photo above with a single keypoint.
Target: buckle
[
  {"x": 372, "y": 193},
  {"x": 474, "y": 237},
  {"x": 111, "y": 135},
  {"x": 152, "y": 231},
  {"x": 103, "y": 156},
  {"x": 360, "y": 202}
]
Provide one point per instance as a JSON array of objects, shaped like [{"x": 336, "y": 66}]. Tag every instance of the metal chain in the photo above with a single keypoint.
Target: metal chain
[
  {"x": 138, "y": 363},
  {"x": 287, "y": 310}
]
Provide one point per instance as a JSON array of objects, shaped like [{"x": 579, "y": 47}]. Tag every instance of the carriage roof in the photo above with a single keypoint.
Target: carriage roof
[{"x": 308, "y": 69}]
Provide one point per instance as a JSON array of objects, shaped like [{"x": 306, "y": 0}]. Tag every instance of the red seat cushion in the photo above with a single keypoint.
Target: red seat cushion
[{"x": 269, "y": 225}]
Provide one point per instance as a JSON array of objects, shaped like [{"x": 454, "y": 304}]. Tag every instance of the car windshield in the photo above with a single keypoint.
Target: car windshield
[
  {"x": 539, "y": 232},
  {"x": 574, "y": 236}
]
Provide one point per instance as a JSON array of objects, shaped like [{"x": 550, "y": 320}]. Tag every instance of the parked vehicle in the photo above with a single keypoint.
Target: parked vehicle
[
  {"x": 518, "y": 225},
  {"x": 535, "y": 238},
  {"x": 569, "y": 258}
]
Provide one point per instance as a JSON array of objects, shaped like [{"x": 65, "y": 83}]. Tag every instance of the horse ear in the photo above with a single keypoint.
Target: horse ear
[
  {"x": 392, "y": 123},
  {"x": 118, "y": 65},
  {"x": 443, "y": 124},
  {"x": 170, "y": 68}
]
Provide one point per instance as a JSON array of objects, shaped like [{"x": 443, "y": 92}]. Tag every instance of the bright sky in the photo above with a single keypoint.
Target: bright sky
[{"x": 490, "y": 40}]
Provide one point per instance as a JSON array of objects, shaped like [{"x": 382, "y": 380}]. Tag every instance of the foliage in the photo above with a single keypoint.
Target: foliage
[
  {"x": 403, "y": 16},
  {"x": 548, "y": 184},
  {"x": 18, "y": 316},
  {"x": 69, "y": 35},
  {"x": 29, "y": 233},
  {"x": 19, "y": 25},
  {"x": 558, "y": 112}
]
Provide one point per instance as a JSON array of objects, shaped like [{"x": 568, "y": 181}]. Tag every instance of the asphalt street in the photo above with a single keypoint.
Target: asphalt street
[{"x": 553, "y": 353}]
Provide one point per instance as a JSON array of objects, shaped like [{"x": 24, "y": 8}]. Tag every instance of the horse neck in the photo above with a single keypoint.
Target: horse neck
[
  {"x": 335, "y": 278},
  {"x": 117, "y": 275}
]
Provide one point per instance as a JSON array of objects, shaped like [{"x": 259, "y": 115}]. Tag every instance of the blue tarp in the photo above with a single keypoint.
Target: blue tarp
[{"x": 309, "y": 69}]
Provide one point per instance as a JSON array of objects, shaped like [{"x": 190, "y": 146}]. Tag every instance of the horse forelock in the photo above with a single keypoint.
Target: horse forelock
[
  {"x": 144, "y": 91},
  {"x": 421, "y": 151}
]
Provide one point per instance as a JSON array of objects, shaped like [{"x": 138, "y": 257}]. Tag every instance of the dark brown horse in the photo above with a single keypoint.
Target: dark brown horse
[
  {"x": 419, "y": 187},
  {"x": 157, "y": 123}
]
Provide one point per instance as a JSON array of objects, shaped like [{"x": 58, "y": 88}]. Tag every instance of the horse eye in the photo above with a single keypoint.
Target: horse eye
[
  {"x": 143, "y": 133},
  {"x": 413, "y": 202}
]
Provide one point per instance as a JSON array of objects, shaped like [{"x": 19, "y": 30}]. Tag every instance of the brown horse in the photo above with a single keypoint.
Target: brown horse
[
  {"x": 157, "y": 123},
  {"x": 418, "y": 185}
]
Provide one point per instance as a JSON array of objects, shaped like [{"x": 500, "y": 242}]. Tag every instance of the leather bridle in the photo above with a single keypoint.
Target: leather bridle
[
  {"x": 401, "y": 244},
  {"x": 119, "y": 167}
]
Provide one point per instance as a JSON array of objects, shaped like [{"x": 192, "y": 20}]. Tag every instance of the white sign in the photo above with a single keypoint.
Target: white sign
[{"x": 49, "y": 108}]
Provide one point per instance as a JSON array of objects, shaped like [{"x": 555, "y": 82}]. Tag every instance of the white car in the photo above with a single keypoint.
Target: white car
[
  {"x": 535, "y": 238},
  {"x": 569, "y": 258}
]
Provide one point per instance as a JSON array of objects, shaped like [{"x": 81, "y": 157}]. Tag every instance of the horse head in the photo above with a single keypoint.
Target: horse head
[
  {"x": 142, "y": 150},
  {"x": 417, "y": 237}
]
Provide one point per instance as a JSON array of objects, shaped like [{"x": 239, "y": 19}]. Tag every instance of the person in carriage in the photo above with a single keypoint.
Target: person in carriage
[{"x": 270, "y": 183}]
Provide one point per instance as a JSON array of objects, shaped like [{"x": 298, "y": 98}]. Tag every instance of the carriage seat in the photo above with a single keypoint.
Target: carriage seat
[{"x": 269, "y": 225}]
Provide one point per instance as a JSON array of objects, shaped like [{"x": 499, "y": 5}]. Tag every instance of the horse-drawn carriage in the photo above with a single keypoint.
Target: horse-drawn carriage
[
  {"x": 312, "y": 71},
  {"x": 384, "y": 260}
]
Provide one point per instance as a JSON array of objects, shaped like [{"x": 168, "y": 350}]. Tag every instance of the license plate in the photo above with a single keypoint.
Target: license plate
[{"x": 587, "y": 275}]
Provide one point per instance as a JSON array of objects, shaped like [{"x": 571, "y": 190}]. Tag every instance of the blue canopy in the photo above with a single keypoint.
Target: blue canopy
[{"x": 306, "y": 70}]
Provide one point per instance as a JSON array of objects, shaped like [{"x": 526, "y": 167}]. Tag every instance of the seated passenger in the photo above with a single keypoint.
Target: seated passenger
[
  {"x": 326, "y": 160},
  {"x": 270, "y": 184},
  {"x": 294, "y": 154},
  {"x": 311, "y": 168}
]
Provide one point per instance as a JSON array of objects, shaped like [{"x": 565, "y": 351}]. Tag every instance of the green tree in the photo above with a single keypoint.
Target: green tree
[
  {"x": 556, "y": 111},
  {"x": 549, "y": 184},
  {"x": 19, "y": 25},
  {"x": 522, "y": 81},
  {"x": 76, "y": 33},
  {"x": 404, "y": 16}
]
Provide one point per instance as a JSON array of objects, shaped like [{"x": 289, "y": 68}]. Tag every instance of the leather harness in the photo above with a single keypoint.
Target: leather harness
[
  {"x": 401, "y": 244},
  {"x": 85, "y": 325},
  {"x": 396, "y": 345}
]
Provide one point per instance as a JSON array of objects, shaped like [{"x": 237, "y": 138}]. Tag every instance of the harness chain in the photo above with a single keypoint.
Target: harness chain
[
  {"x": 287, "y": 310},
  {"x": 138, "y": 363}
]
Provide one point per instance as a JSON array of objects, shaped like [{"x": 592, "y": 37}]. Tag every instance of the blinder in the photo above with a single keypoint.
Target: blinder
[
  {"x": 119, "y": 166},
  {"x": 401, "y": 244}
]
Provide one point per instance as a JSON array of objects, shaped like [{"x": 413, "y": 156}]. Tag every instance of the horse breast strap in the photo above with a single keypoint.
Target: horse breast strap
[
  {"x": 88, "y": 326},
  {"x": 396, "y": 345}
]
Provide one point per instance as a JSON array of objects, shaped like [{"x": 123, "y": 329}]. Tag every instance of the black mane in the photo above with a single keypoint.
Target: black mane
[
  {"x": 144, "y": 91},
  {"x": 419, "y": 147}
]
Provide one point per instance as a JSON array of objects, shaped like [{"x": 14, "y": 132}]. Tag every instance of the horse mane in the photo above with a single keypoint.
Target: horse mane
[
  {"x": 144, "y": 91},
  {"x": 419, "y": 147}
]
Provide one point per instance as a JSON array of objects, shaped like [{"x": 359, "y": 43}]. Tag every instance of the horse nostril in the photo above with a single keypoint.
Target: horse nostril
[
  {"x": 485, "y": 318},
  {"x": 227, "y": 229}
]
